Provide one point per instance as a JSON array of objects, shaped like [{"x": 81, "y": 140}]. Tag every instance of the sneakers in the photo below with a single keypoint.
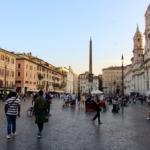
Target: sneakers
[
  {"x": 39, "y": 135},
  {"x": 100, "y": 123},
  {"x": 148, "y": 118},
  {"x": 11, "y": 135},
  {"x": 14, "y": 134},
  {"x": 8, "y": 136}
]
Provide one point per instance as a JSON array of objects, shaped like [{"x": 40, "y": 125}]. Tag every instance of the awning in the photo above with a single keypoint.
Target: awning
[{"x": 96, "y": 92}]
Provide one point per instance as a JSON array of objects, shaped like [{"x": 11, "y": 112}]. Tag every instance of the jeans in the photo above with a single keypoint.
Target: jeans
[
  {"x": 40, "y": 127},
  {"x": 97, "y": 115},
  {"x": 11, "y": 124}
]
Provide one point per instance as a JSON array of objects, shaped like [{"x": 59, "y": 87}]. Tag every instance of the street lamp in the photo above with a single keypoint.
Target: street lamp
[
  {"x": 122, "y": 80},
  {"x": 5, "y": 75},
  {"x": 5, "y": 86}
]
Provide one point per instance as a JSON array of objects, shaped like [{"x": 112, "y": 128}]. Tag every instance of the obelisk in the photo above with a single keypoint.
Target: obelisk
[
  {"x": 90, "y": 67},
  {"x": 90, "y": 56}
]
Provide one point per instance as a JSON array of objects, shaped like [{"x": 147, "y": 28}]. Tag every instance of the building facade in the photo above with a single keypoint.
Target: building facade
[
  {"x": 112, "y": 80},
  {"x": 69, "y": 81},
  {"x": 140, "y": 63},
  {"x": 26, "y": 74},
  {"x": 75, "y": 84},
  {"x": 85, "y": 85},
  {"x": 33, "y": 74},
  {"x": 7, "y": 70}
]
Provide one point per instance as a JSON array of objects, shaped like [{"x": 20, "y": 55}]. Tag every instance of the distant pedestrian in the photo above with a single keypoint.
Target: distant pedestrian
[
  {"x": 97, "y": 108},
  {"x": 40, "y": 110},
  {"x": 12, "y": 109},
  {"x": 82, "y": 100},
  {"x": 148, "y": 111},
  {"x": 79, "y": 98},
  {"x": 34, "y": 98},
  {"x": 134, "y": 100},
  {"x": 48, "y": 100}
]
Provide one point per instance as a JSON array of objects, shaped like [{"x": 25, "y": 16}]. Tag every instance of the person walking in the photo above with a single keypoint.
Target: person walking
[
  {"x": 148, "y": 111},
  {"x": 12, "y": 109},
  {"x": 40, "y": 111},
  {"x": 97, "y": 108},
  {"x": 48, "y": 100}
]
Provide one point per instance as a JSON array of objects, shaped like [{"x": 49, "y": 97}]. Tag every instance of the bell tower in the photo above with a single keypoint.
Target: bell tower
[
  {"x": 147, "y": 31},
  {"x": 138, "y": 46},
  {"x": 147, "y": 49}
]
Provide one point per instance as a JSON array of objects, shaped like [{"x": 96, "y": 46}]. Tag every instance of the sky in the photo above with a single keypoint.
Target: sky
[{"x": 58, "y": 31}]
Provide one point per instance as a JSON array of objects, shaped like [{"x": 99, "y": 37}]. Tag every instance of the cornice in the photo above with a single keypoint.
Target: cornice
[{"x": 6, "y": 51}]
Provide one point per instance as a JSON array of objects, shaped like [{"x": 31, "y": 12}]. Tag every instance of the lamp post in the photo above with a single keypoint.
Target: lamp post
[
  {"x": 54, "y": 84},
  {"x": 122, "y": 93},
  {"x": 5, "y": 74}
]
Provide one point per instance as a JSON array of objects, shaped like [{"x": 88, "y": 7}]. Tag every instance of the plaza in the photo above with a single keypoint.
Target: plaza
[{"x": 71, "y": 128}]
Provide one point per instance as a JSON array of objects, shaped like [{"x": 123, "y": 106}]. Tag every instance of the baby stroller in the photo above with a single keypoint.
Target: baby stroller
[
  {"x": 72, "y": 102},
  {"x": 66, "y": 101},
  {"x": 116, "y": 107}
]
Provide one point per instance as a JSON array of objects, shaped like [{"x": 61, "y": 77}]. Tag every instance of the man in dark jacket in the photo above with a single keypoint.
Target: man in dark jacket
[
  {"x": 97, "y": 109},
  {"x": 48, "y": 100},
  {"x": 40, "y": 110}
]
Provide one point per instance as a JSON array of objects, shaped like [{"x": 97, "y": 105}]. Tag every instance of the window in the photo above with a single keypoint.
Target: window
[
  {"x": 2, "y": 71},
  {"x": 7, "y": 73},
  {"x": 12, "y": 73},
  {"x": 19, "y": 65},
  {"x": 38, "y": 68},
  {"x": 7, "y": 59},
  {"x": 1, "y": 83},
  {"x": 7, "y": 83},
  {"x": 18, "y": 81},
  {"x": 12, "y": 61},
  {"x": 147, "y": 85},
  {"x": 2, "y": 57},
  {"x": 31, "y": 67},
  {"x": 18, "y": 74}
]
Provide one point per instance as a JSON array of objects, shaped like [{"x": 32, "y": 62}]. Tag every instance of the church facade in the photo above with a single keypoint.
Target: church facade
[{"x": 137, "y": 74}]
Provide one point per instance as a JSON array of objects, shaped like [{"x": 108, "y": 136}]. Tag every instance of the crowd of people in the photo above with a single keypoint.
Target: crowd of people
[{"x": 41, "y": 106}]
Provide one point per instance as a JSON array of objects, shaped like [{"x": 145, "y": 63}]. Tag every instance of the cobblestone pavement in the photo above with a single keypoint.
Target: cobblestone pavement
[{"x": 72, "y": 129}]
